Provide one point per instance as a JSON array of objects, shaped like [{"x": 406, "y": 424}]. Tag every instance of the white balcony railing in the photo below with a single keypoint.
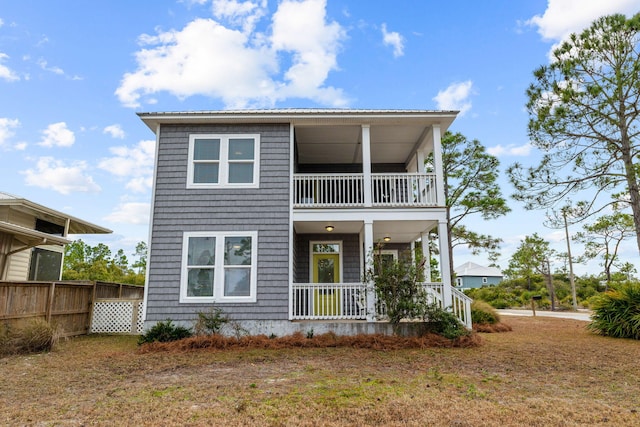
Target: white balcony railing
[
  {"x": 328, "y": 190},
  {"x": 404, "y": 189},
  {"x": 348, "y": 301},
  {"x": 347, "y": 190}
]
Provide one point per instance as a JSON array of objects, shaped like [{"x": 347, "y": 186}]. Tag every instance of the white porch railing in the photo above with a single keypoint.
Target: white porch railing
[
  {"x": 348, "y": 301},
  {"x": 461, "y": 306},
  {"x": 347, "y": 190},
  {"x": 329, "y": 301}
]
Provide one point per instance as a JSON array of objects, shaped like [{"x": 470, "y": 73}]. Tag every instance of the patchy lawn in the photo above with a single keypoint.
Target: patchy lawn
[{"x": 546, "y": 372}]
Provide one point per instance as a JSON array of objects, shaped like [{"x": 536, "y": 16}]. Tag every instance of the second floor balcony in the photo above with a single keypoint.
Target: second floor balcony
[{"x": 338, "y": 190}]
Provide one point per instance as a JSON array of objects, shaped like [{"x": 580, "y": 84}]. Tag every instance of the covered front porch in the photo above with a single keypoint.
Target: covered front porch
[{"x": 330, "y": 258}]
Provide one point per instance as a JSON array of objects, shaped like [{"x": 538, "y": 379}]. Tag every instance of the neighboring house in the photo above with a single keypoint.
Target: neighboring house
[
  {"x": 273, "y": 214},
  {"x": 470, "y": 275},
  {"x": 32, "y": 239}
]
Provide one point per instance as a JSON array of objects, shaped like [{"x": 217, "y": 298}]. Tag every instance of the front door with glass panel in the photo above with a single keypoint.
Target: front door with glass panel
[{"x": 325, "y": 268}]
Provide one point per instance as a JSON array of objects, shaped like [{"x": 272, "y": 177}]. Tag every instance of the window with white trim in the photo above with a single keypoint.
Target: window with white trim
[
  {"x": 484, "y": 280},
  {"x": 231, "y": 160},
  {"x": 219, "y": 266}
]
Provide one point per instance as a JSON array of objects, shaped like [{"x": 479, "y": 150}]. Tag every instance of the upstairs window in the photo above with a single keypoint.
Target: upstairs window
[{"x": 224, "y": 161}]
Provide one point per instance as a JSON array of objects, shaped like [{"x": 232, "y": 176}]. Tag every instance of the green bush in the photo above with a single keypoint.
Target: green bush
[
  {"x": 164, "y": 332},
  {"x": 616, "y": 313},
  {"x": 483, "y": 313},
  {"x": 210, "y": 322},
  {"x": 443, "y": 322}
]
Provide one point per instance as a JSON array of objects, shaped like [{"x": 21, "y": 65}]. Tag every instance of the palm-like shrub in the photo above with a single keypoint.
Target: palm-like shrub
[
  {"x": 616, "y": 313},
  {"x": 483, "y": 313}
]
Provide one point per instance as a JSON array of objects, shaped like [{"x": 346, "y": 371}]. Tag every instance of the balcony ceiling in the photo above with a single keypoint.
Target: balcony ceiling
[
  {"x": 398, "y": 231},
  {"x": 330, "y": 135},
  {"x": 343, "y": 144}
]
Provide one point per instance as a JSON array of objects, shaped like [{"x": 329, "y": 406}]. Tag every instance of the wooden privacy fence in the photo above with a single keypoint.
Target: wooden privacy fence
[{"x": 68, "y": 305}]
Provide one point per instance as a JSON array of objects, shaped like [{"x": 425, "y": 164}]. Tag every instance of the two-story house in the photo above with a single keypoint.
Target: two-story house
[{"x": 272, "y": 215}]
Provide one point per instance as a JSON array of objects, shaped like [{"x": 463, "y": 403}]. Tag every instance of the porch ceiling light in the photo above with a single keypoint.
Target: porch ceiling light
[
  {"x": 387, "y": 239},
  {"x": 329, "y": 228}
]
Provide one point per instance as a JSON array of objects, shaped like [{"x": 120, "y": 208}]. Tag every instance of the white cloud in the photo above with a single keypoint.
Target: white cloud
[
  {"x": 130, "y": 213},
  {"x": 57, "y": 135},
  {"x": 455, "y": 97},
  {"x": 241, "y": 67},
  {"x": 510, "y": 150},
  {"x": 45, "y": 66},
  {"x": 301, "y": 28},
  {"x": 5, "y": 72},
  {"x": 6, "y": 129},
  {"x": 393, "y": 39},
  {"x": 563, "y": 17},
  {"x": 115, "y": 131},
  {"x": 135, "y": 163},
  {"x": 64, "y": 178},
  {"x": 245, "y": 14}
]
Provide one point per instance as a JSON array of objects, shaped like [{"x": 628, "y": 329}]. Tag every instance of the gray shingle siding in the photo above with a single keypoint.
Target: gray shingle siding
[{"x": 178, "y": 209}]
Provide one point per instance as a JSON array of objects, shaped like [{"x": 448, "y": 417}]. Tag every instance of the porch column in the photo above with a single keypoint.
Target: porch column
[
  {"x": 368, "y": 251},
  {"x": 366, "y": 165},
  {"x": 437, "y": 165},
  {"x": 443, "y": 242},
  {"x": 426, "y": 254},
  {"x": 420, "y": 161}
]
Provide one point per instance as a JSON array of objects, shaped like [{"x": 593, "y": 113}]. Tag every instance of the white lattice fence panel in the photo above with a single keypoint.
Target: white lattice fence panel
[
  {"x": 139, "y": 320},
  {"x": 116, "y": 316}
]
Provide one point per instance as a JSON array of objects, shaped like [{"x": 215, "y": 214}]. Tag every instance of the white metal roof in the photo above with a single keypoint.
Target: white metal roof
[{"x": 473, "y": 269}]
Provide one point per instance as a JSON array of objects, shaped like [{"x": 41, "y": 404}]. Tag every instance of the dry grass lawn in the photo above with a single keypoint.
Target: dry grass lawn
[{"x": 546, "y": 372}]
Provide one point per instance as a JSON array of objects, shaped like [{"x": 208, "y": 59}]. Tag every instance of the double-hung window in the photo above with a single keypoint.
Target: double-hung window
[
  {"x": 219, "y": 266},
  {"x": 229, "y": 160}
]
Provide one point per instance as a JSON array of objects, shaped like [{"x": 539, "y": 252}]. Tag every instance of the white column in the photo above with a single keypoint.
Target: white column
[
  {"x": 368, "y": 251},
  {"x": 366, "y": 164},
  {"x": 443, "y": 241},
  {"x": 437, "y": 165},
  {"x": 420, "y": 161},
  {"x": 426, "y": 253}
]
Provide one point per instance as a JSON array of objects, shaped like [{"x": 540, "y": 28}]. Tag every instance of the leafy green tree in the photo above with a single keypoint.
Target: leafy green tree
[
  {"x": 603, "y": 238},
  {"x": 141, "y": 253},
  {"x": 584, "y": 111},
  {"x": 533, "y": 257},
  {"x": 85, "y": 262},
  {"x": 471, "y": 188},
  {"x": 398, "y": 286}
]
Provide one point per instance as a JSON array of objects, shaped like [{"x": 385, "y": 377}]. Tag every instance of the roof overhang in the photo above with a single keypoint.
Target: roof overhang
[
  {"x": 331, "y": 135},
  {"x": 31, "y": 237},
  {"x": 302, "y": 117},
  {"x": 76, "y": 225}
]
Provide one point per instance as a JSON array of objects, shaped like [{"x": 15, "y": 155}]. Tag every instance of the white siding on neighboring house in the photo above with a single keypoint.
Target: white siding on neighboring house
[
  {"x": 18, "y": 263},
  {"x": 18, "y": 268}
]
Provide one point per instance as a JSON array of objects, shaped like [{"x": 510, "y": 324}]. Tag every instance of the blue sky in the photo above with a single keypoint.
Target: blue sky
[{"x": 74, "y": 73}]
